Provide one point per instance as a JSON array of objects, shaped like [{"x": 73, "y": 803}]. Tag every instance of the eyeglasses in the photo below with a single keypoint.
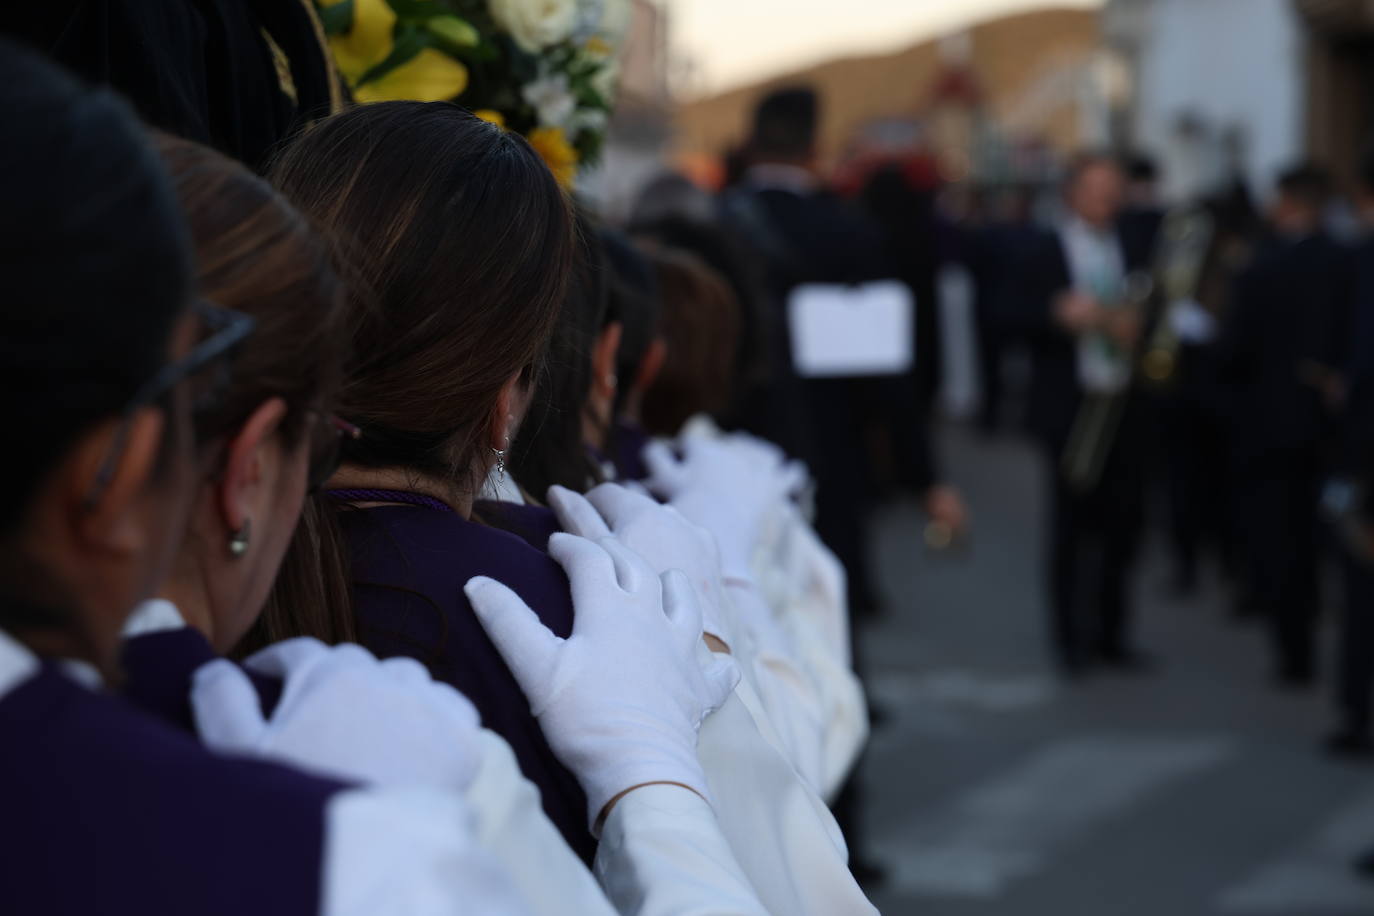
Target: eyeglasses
[
  {"x": 326, "y": 447},
  {"x": 225, "y": 330}
]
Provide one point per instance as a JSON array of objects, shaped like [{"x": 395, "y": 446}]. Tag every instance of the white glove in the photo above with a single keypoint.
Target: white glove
[
  {"x": 660, "y": 534},
  {"x": 342, "y": 713},
  {"x": 621, "y": 699},
  {"x": 727, "y": 487}
]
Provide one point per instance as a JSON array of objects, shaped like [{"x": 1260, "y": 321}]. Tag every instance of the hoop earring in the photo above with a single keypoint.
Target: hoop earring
[{"x": 238, "y": 542}]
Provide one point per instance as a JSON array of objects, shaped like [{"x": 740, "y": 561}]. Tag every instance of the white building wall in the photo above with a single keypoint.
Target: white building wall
[{"x": 1232, "y": 64}]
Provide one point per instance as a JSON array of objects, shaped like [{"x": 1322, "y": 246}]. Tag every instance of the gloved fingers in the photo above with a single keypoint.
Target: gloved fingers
[
  {"x": 793, "y": 477},
  {"x": 721, "y": 674},
  {"x": 414, "y": 678},
  {"x": 631, "y": 570},
  {"x": 635, "y": 486},
  {"x": 588, "y": 565},
  {"x": 576, "y": 515},
  {"x": 682, "y": 608},
  {"x": 406, "y": 672},
  {"x": 226, "y": 707},
  {"x": 618, "y": 505},
  {"x": 529, "y": 648},
  {"x": 666, "y": 471},
  {"x": 281, "y": 659}
]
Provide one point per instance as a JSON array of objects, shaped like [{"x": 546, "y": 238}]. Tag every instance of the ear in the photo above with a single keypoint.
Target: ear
[
  {"x": 509, "y": 403},
  {"x": 248, "y": 464},
  {"x": 651, "y": 365},
  {"x": 604, "y": 353},
  {"x": 107, "y": 523}
]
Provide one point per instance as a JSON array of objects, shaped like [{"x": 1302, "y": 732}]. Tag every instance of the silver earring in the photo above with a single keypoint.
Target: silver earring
[
  {"x": 500, "y": 464},
  {"x": 238, "y": 542}
]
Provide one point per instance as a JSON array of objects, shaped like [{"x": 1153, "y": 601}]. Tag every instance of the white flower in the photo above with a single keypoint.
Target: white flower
[
  {"x": 588, "y": 119},
  {"x": 535, "y": 24},
  {"x": 615, "y": 19},
  {"x": 552, "y": 99},
  {"x": 606, "y": 79}
]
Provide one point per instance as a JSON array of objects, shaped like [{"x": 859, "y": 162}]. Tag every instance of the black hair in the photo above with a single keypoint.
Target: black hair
[
  {"x": 633, "y": 295},
  {"x": 714, "y": 244},
  {"x": 785, "y": 124},
  {"x": 1307, "y": 183},
  {"x": 549, "y": 447},
  {"x": 96, "y": 261}
]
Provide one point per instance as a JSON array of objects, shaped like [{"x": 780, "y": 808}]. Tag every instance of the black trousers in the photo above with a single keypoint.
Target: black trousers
[
  {"x": 1280, "y": 492},
  {"x": 1196, "y": 461},
  {"x": 1355, "y": 658},
  {"x": 1094, "y": 538}
]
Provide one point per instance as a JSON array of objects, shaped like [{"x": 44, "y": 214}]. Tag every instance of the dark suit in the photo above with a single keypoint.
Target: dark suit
[
  {"x": 1093, "y": 535},
  {"x": 1289, "y": 319},
  {"x": 817, "y": 237},
  {"x": 1355, "y": 658},
  {"x": 989, "y": 252}
]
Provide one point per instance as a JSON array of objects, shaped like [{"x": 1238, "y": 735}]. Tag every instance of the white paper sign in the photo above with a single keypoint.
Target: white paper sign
[{"x": 851, "y": 330}]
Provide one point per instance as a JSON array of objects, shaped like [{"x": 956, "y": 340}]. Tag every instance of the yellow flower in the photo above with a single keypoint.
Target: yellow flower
[
  {"x": 367, "y": 43},
  {"x": 491, "y": 116},
  {"x": 553, "y": 147},
  {"x": 430, "y": 76}
]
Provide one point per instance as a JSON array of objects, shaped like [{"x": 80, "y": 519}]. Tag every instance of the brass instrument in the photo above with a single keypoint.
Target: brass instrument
[
  {"x": 1185, "y": 241},
  {"x": 1099, "y": 416}
]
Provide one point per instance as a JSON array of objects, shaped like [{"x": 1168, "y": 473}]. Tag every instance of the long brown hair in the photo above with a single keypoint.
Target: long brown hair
[
  {"x": 257, "y": 254},
  {"x": 457, "y": 243},
  {"x": 699, "y": 321}
]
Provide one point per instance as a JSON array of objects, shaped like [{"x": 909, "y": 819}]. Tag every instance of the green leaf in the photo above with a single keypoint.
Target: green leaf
[
  {"x": 337, "y": 19},
  {"x": 454, "y": 31},
  {"x": 410, "y": 40}
]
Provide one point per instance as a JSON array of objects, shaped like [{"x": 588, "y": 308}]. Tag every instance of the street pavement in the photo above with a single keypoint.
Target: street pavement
[{"x": 994, "y": 788}]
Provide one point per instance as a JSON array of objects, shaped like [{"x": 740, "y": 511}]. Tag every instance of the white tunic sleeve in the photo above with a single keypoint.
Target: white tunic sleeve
[
  {"x": 408, "y": 852},
  {"x": 510, "y": 824},
  {"x": 662, "y": 854},
  {"x": 782, "y": 834}
]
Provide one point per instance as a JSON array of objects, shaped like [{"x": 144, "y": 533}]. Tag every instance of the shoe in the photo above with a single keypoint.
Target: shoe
[{"x": 1348, "y": 744}]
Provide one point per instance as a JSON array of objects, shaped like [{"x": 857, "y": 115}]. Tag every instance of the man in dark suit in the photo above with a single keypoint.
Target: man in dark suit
[
  {"x": 989, "y": 251},
  {"x": 808, "y": 235},
  {"x": 1282, "y": 355},
  {"x": 1355, "y": 468},
  {"x": 1065, "y": 298}
]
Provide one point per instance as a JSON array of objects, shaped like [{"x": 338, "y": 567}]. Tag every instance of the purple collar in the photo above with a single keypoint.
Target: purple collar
[{"x": 364, "y": 495}]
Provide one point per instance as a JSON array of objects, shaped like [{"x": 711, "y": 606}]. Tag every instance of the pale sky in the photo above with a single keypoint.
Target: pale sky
[{"x": 730, "y": 42}]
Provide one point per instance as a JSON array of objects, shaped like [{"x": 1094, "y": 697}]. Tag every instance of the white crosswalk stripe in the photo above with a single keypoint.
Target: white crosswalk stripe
[
  {"x": 1011, "y": 827},
  {"x": 1316, "y": 876}
]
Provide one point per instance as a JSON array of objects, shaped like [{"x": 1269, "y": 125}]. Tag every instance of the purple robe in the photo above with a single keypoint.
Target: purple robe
[
  {"x": 158, "y": 668},
  {"x": 532, "y": 524},
  {"x": 107, "y": 810},
  {"x": 409, "y": 566},
  {"x": 627, "y": 450}
]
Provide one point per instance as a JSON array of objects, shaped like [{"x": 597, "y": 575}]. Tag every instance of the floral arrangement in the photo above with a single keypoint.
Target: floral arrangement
[{"x": 545, "y": 68}]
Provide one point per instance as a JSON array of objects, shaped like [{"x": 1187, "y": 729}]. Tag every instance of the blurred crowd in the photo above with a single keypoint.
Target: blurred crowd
[{"x": 1200, "y": 369}]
